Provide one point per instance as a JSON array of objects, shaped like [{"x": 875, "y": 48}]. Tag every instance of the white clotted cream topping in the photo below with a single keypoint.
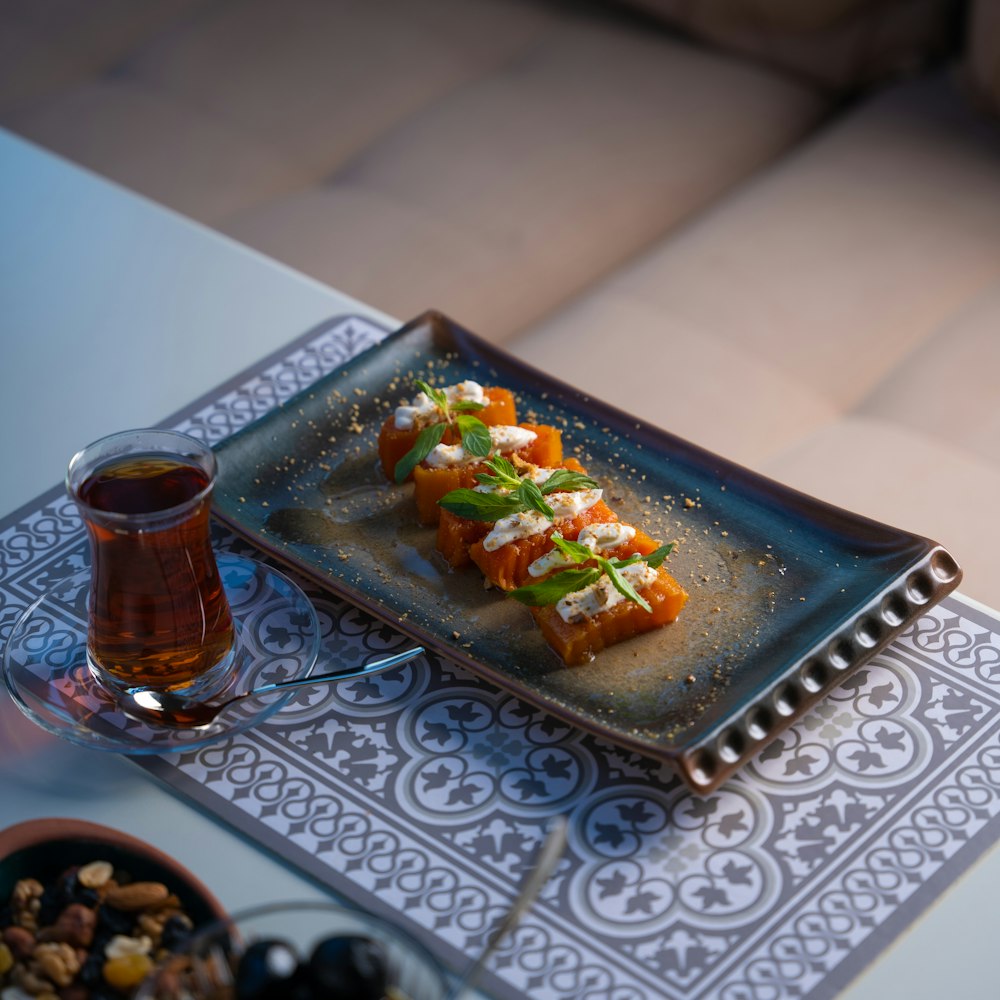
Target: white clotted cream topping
[
  {"x": 504, "y": 438},
  {"x": 446, "y": 456},
  {"x": 532, "y": 522},
  {"x": 601, "y": 596},
  {"x": 423, "y": 407},
  {"x": 597, "y": 538},
  {"x": 508, "y": 437}
]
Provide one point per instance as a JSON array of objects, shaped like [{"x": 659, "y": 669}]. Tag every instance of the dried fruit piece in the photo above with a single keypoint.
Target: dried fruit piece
[
  {"x": 128, "y": 971},
  {"x": 176, "y": 931}
]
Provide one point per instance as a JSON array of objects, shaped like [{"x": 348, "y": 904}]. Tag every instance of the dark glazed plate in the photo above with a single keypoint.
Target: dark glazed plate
[{"x": 787, "y": 594}]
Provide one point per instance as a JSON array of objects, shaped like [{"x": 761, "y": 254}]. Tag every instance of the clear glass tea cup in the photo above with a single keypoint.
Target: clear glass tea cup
[{"x": 158, "y": 613}]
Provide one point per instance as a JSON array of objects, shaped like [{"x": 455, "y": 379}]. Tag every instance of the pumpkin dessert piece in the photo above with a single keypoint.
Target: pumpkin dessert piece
[
  {"x": 611, "y": 538},
  {"x": 456, "y": 533},
  {"x": 449, "y": 467},
  {"x": 507, "y": 564},
  {"x": 505, "y": 524},
  {"x": 399, "y": 434},
  {"x": 600, "y": 602}
]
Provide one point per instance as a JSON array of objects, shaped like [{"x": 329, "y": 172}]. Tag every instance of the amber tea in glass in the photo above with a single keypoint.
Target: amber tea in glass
[{"x": 159, "y": 617}]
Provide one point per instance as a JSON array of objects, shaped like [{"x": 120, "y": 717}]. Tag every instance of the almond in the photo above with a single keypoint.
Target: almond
[{"x": 137, "y": 896}]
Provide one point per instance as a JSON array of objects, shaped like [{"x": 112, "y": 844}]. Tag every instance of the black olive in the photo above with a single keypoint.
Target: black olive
[
  {"x": 300, "y": 986},
  {"x": 265, "y": 971},
  {"x": 349, "y": 968}
]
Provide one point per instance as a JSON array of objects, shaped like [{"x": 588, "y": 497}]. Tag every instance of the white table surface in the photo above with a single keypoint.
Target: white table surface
[{"x": 115, "y": 313}]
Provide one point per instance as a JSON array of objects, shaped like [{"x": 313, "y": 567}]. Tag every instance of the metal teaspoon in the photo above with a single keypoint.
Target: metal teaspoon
[{"x": 163, "y": 708}]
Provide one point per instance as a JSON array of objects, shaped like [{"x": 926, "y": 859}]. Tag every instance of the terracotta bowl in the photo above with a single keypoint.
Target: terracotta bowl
[{"x": 43, "y": 848}]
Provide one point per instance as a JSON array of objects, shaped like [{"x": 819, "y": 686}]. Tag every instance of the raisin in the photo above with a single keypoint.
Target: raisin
[
  {"x": 92, "y": 972},
  {"x": 176, "y": 933},
  {"x": 53, "y": 901},
  {"x": 114, "y": 921}
]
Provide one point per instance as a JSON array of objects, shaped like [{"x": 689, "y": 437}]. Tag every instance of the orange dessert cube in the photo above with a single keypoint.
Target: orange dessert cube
[
  {"x": 506, "y": 567},
  {"x": 432, "y": 481},
  {"x": 456, "y": 534},
  {"x": 584, "y": 635},
  {"x": 394, "y": 442}
]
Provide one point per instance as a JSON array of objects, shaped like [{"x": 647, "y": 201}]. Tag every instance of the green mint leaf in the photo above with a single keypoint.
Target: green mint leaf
[
  {"x": 476, "y": 438},
  {"x": 504, "y": 467},
  {"x": 565, "y": 481},
  {"x": 655, "y": 559},
  {"x": 622, "y": 585},
  {"x": 531, "y": 497},
  {"x": 556, "y": 587},
  {"x": 574, "y": 550},
  {"x": 466, "y": 406},
  {"x": 427, "y": 440},
  {"x": 437, "y": 396},
  {"x": 631, "y": 561},
  {"x": 506, "y": 474},
  {"x": 475, "y": 506}
]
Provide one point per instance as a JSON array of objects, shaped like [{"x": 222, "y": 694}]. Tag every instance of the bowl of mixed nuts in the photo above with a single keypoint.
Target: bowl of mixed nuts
[{"x": 87, "y": 912}]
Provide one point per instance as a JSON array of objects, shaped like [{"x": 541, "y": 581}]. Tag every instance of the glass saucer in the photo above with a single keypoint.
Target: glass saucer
[{"x": 45, "y": 662}]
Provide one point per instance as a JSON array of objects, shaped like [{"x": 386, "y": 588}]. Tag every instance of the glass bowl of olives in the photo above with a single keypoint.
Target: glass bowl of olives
[{"x": 299, "y": 951}]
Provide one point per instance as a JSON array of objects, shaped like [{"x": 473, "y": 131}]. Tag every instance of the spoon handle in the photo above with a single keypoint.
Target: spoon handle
[
  {"x": 370, "y": 668},
  {"x": 548, "y": 856}
]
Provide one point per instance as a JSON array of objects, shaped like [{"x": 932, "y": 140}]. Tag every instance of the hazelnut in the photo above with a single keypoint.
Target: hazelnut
[
  {"x": 20, "y": 941},
  {"x": 75, "y": 926}
]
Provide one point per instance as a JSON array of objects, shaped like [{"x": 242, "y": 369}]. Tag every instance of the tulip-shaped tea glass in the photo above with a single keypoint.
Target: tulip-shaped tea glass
[{"x": 158, "y": 613}]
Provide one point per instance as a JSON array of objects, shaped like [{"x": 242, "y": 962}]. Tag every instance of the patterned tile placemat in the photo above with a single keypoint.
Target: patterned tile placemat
[{"x": 423, "y": 793}]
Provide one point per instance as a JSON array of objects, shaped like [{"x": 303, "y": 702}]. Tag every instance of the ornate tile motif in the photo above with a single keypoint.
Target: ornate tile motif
[{"x": 426, "y": 791}]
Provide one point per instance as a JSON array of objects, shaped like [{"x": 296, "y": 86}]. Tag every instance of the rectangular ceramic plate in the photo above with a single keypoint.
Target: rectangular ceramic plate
[{"x": 787, "y": 594}]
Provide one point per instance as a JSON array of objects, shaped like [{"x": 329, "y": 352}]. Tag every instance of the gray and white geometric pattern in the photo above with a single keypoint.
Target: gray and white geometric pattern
[{"x": 425, "y": 792}]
